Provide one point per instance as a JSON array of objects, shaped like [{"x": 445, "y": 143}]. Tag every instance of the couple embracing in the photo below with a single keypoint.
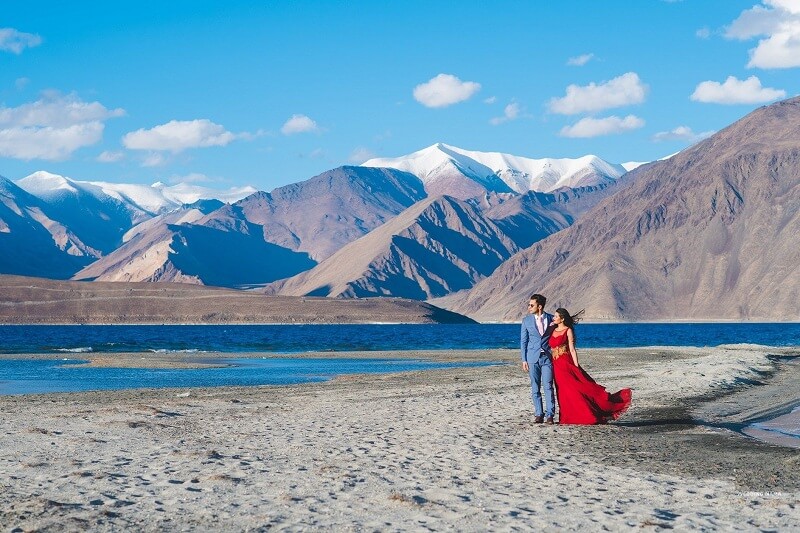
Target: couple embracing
[{"x": 548, "y": 350}]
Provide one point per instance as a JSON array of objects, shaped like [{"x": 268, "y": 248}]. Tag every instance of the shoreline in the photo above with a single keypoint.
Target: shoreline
[
  {"x": 433, "y": 448},
  {"x": 704, "y": 406},
  {"x": 705, "y": 411}
]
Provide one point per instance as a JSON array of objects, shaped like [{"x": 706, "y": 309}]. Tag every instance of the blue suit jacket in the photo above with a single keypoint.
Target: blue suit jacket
[{"x": 531, "y": 343}]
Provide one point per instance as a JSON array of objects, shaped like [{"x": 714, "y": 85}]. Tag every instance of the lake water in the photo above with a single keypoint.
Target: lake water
[
  {"x": 26, "y": 376},
  {"x": 303, "y": 338},
  {"x": 783, "y": 430}
]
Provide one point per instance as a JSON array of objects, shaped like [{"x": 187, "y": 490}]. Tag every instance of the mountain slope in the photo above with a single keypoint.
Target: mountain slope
[
  {"x": 189, "y": 253},
  {"x": 533, "y": 216},
  {"x": 711, "y": 232},
  {"x": 186, "y": 214},
  {"x": 320, "y": 215},
  {"x": 437, "y": 246}
]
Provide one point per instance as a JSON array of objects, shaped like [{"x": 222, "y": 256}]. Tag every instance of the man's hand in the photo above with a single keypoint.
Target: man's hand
[{"x": 525, "y": 366}]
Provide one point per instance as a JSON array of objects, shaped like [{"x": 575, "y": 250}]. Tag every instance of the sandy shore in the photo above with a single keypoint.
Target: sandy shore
[{"x": 443, "y": 449}]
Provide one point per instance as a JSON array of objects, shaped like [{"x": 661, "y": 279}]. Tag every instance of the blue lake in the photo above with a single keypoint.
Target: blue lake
[
  {"x": 20, "y": 376},
  {"x": 303, "y": 338},
  {"x": 31, "y": 376}
]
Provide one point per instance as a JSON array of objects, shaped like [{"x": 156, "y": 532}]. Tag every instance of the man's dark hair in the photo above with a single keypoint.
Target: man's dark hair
[{"x": 539, "y": 299}]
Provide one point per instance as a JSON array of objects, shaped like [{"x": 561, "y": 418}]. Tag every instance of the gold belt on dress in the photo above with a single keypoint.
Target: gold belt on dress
[{"x": 558, "y": 351}]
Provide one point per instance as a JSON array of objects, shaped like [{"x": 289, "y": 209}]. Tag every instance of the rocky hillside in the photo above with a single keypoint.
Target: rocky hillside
[
  {"x": 435, "y": 247},
  {"x": 710, "y": 233}
]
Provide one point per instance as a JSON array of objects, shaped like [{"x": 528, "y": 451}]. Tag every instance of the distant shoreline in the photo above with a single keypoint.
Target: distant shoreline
[{"x": 32, "y": 301}]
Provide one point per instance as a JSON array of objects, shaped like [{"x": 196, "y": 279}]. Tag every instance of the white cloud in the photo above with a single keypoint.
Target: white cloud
[
  {"x": 155, "y": 159},
  {"x": 299, "y": 124},
  {"x": 735, "y": 91},
  {"x": 681, "y": 133},
  {"x": 57, "y": 111},
  {"x": 53, "y": 127},
  {"x": 580, "y": 60},
  {"x": 779, "y": 51},
  {"x": 178, "y": 135},
  {"x": 21, "y": 83},
  {"x": 445, "y": 90},
  {"x": 511, "y": 112},
  {"x": 624, "y": 90},
  {"x": 110, "y": 157},
  {"x": 703, "y": 33},
  {"x": 15, "y": 41},
  {"x": 490, "y": 100},
  {"x": 595, "y": 127},
  {"x": 778, "y": 21},
  {"x": 360, "y": 154},
  {"x": 248, "y": 136},
  {"x": 52, "y": 144}
]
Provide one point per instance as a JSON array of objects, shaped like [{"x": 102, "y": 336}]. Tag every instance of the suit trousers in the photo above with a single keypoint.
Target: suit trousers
[{"x": 541, "y": 373}]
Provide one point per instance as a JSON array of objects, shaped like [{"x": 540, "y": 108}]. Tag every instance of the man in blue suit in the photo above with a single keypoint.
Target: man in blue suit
[{"x": 536, "y": 359}]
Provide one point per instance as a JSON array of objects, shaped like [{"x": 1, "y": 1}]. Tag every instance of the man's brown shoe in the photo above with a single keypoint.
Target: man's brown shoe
[
  {"x": 538, "y": 419},
  {"x": 549, "y": 420}
]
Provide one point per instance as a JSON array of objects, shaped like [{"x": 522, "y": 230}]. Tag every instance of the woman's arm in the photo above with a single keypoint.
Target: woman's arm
[{"x": 572, "y": 351}]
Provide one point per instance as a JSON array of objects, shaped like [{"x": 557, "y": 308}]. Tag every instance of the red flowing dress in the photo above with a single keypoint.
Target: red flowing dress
[{"x": 581, "y": 400}]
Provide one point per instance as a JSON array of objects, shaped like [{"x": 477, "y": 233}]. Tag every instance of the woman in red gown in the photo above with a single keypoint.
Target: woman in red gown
[{"x": 580, "y": 399}]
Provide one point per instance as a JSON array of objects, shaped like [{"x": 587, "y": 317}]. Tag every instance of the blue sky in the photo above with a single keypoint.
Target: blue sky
[{"x": 268, "y": 93}]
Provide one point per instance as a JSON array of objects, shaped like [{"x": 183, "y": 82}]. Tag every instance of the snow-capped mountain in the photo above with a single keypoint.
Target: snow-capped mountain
[
  {"x": 32, "y": 241},
  {"x": 186, "y": 233},
  {"x": 52, "y": 226},
  {"x": 633, "y": 165},
  {"x": 442, "y": 169},
  {"x": 158, "y": 198},
  {"x": 261, "y": 238},
  {"x": 143, "y": 201},
  {"x": 99, "y": 219}
]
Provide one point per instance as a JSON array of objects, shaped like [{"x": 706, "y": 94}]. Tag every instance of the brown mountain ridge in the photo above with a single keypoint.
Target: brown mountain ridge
[{"x": 711, "y": 233}]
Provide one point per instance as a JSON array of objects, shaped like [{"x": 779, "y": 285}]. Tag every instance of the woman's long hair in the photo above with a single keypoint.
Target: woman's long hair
[{"x": 570, "y": 320}]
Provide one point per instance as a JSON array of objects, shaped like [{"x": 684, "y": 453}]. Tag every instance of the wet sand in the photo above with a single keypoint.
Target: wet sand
[{"x": 435, "y": 449}]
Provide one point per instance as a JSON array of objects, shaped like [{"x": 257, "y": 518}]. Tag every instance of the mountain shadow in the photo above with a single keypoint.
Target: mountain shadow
[{"x": 232, "y": 259}]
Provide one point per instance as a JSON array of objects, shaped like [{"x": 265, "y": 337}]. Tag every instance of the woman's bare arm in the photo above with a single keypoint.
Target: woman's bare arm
[{"x": 572, "y": 351}]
